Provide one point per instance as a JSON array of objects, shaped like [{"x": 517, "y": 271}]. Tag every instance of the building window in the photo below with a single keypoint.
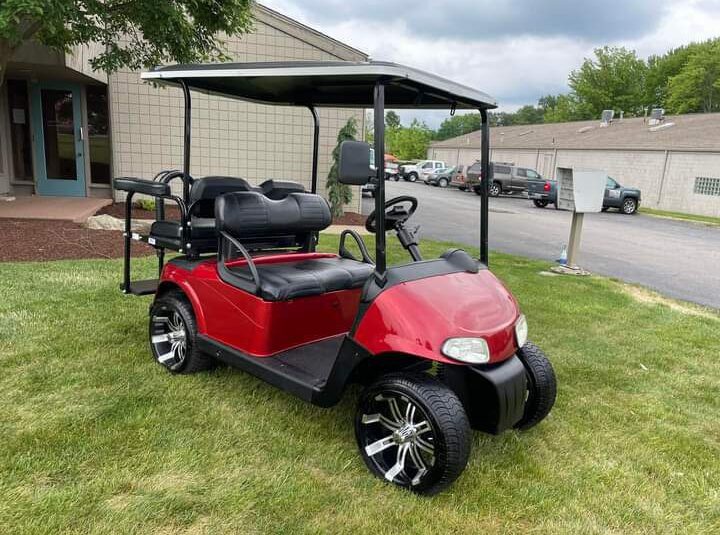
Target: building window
[
  {"x": 98, "y": 134},
  {"x": 19, "y": 115},
  {"x": 707, "y": 186}
]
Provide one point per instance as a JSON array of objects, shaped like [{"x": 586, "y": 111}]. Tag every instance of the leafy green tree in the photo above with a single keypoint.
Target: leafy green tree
[
  {"x": 133, "y": 33},
  {"x": 458, "y": 125},
  {"x": 340, "y": 194},
  {"x": 660, "y": 70},
  {"x": 568, "y": 108},
  {"x": 409, "y": 143},
  {"x": 613, "y": 79},
  {"x": 697, "y": 86},
  {"x": 392, "y": 120},
  {"x": 528, "y": 115}
]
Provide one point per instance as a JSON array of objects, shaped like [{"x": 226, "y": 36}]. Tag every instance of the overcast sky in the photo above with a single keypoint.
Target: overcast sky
[{"x": 516, "y": 50}]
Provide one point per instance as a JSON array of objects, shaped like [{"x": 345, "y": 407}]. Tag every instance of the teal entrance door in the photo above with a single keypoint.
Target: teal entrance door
[{"x": 59, "y": 147}]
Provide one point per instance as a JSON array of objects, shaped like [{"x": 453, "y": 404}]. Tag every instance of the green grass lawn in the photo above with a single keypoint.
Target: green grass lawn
[
  {"x": 97, "y": 438},
  {"x": 709, "y": 220}
]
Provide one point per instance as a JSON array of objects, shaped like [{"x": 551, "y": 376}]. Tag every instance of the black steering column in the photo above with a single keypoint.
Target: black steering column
[{"x": 397, "y": 212}]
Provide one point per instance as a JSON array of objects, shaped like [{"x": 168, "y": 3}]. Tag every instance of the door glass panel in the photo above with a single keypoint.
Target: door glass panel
[
  {"x": 98, "y": 139},
  {"x": 19, "y": 115},
  {"x": 59, "y": 133}
]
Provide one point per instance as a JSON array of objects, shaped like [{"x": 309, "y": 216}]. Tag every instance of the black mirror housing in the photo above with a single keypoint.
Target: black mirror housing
[{"x": 354, "y": 166}]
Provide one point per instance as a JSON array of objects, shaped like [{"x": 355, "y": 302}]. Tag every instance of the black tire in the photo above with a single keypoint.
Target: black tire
[
  {"x": 542, "y": 385},
  {"x": 629, "y": 206},
  {"x": 462, "y": 188},
  {"x": 172, "y": 312},
  {"x": 438, "y": 454},
  {"x": 396, "y": 178},
  {"x": 412, "y": 177},
  {"x": 495, "y": 189},
  {"x": 443, "y": 183},
  {"x": 540, "y": 203}
]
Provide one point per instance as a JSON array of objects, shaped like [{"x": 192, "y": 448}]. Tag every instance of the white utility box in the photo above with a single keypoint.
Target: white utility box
[{"x": 580, "y": 190}]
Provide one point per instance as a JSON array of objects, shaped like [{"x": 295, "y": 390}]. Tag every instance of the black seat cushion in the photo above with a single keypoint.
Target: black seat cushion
[
  {"x": 200, "y": 229},
  {"x": 289, "y": 280},
  {"x": 205, "y": 190},
  {"x": 251, "y": 214}
]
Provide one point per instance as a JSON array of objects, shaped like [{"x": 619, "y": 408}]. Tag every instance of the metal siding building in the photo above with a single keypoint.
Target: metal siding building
[
  {"x": 676, "y": 164},
  {"x": 125, "y": 127}
]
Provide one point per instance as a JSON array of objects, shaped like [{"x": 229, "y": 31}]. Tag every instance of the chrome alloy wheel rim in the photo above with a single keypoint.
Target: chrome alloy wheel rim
[
  {"x": 398, "y": 438},
  {"x": 494, "y": 189},
  {"x": 169, "y": 339},
  {"x": 628, "y": 206}
]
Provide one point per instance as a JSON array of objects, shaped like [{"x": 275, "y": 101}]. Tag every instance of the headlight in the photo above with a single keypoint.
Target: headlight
[
  {"x": 470, "y": 350},
  {"x": 521, "y": 331}
]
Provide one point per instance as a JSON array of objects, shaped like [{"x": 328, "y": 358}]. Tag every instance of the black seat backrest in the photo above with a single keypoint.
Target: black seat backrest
[
  {"x": 254, "y": 220},
  {"x": 279, "y": 189},
  {"x": 205, "y": 190}
]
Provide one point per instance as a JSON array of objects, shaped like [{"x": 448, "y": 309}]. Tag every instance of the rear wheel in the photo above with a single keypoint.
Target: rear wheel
[
  {"x": 495, "y": 189},
  {"x": 540, "y": 203},
  {"x": 541, "y": 385},
  {"x": 629, "y": 206},
  {"x": 443, "y": 183},
  {"x": 172, "y": 335},
  {"x": 413, "y": 431},
  {"x": 412, "y": 177}
]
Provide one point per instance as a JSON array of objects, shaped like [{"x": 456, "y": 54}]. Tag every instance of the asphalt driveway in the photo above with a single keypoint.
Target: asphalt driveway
[{"x": 677, "y": 258}]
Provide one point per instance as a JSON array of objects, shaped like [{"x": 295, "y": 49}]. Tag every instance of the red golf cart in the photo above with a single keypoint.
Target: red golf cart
[{"x": 440, "y": 344}]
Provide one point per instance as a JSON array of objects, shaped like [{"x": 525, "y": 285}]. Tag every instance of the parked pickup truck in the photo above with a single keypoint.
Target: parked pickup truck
[
  {"x": 507, "y": 178},
  {"x": 411, "y": 172},
  {"x": 627, "y": 200}
]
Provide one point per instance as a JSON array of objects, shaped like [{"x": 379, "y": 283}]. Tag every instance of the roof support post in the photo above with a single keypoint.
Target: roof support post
[
  {"x": 186, "y": 142},
  {"x": 316, "y": 149},
  {"x": 484, "y": 186},
  {"x": 379, "y": 121}
]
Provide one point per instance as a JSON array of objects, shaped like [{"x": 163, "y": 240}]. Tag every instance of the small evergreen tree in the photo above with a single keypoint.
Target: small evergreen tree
[{"x": 340, "y": 194}]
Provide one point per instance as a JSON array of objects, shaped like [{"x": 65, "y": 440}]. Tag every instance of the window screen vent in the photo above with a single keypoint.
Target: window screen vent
[{"x": 707, "y": 186}]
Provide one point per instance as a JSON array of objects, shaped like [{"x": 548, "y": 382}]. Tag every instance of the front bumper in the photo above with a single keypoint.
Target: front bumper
[{"x": 493, "y": 396}]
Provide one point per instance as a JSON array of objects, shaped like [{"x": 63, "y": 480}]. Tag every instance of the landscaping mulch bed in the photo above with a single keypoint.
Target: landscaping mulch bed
[
  {"x": 38, "y": 240},
  {"x": 33, "y": 240}
]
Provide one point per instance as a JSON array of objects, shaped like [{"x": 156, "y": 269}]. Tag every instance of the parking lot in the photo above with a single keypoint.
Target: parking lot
[{"x": 677, "y": 258}]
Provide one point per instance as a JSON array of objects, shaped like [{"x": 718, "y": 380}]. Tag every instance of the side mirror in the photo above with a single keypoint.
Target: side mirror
[{"x": 354, "y": 165}]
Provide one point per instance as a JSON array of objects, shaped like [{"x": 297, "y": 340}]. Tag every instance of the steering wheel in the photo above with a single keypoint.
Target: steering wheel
[{"x": 395, "y": 214}]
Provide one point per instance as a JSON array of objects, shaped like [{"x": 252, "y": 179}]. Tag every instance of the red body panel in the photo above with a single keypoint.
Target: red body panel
[
  {"x": 262, "y": 328},
  {"x": 416, "y": 317}
]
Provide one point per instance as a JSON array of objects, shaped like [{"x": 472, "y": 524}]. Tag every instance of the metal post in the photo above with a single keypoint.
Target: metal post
[
  {"x": 484, "y": 186},
  {"x": 575, "y": 233},
  {"x": 186, "y": 165},
  {"x": 379, "y": 118},
  {"x": 316, "y": 148},
  {"x": 128, "y": 242}
]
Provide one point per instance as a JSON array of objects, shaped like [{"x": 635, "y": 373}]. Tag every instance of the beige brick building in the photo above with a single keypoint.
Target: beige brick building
[
  {"x": 66, "y": 130},
  {"x": 676, "y": 163}
]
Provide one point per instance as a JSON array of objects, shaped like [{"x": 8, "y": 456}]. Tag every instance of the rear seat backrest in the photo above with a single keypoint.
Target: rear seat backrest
[{"x": 205, "y": 190}]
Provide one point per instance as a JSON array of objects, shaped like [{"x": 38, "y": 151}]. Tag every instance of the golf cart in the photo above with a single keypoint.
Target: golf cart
[{"x": 440, "y": 344}]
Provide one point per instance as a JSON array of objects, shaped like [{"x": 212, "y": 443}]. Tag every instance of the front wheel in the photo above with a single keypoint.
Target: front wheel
[
  {"x": 412, "y": 177},
  {"x": 540, "y": 203},
  {"x": 413, "y": 431},
  {"x": 495, "y": 189},
  {"x": 629, "y": 206},
  {"x": 541, "y": 385}
]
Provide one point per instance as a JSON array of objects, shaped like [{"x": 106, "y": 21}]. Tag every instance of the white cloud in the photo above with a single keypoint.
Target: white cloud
[{"x": 514, "y": 66}]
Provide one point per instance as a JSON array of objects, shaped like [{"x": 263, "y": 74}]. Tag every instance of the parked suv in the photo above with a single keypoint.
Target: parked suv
[
  {"x": 452, "y": 176},
  {"x": 627, "y": 200},
  {"x": 507, "y": 178},
  {"x": 411, "y": 172}
]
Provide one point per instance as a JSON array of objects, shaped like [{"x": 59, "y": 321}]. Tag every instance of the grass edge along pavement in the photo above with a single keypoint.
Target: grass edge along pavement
[{"x": 98, "y": 439}]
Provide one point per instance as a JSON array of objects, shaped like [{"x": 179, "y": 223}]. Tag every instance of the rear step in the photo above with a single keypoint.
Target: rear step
[
  {"x": 144, "y": 287},
  {"x": 315, "y": 372}
]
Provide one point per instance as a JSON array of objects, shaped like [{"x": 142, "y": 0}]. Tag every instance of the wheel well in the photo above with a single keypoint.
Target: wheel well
[
  {"x": 373, "y": 367},
  {"x": 166, "y": 287}
]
